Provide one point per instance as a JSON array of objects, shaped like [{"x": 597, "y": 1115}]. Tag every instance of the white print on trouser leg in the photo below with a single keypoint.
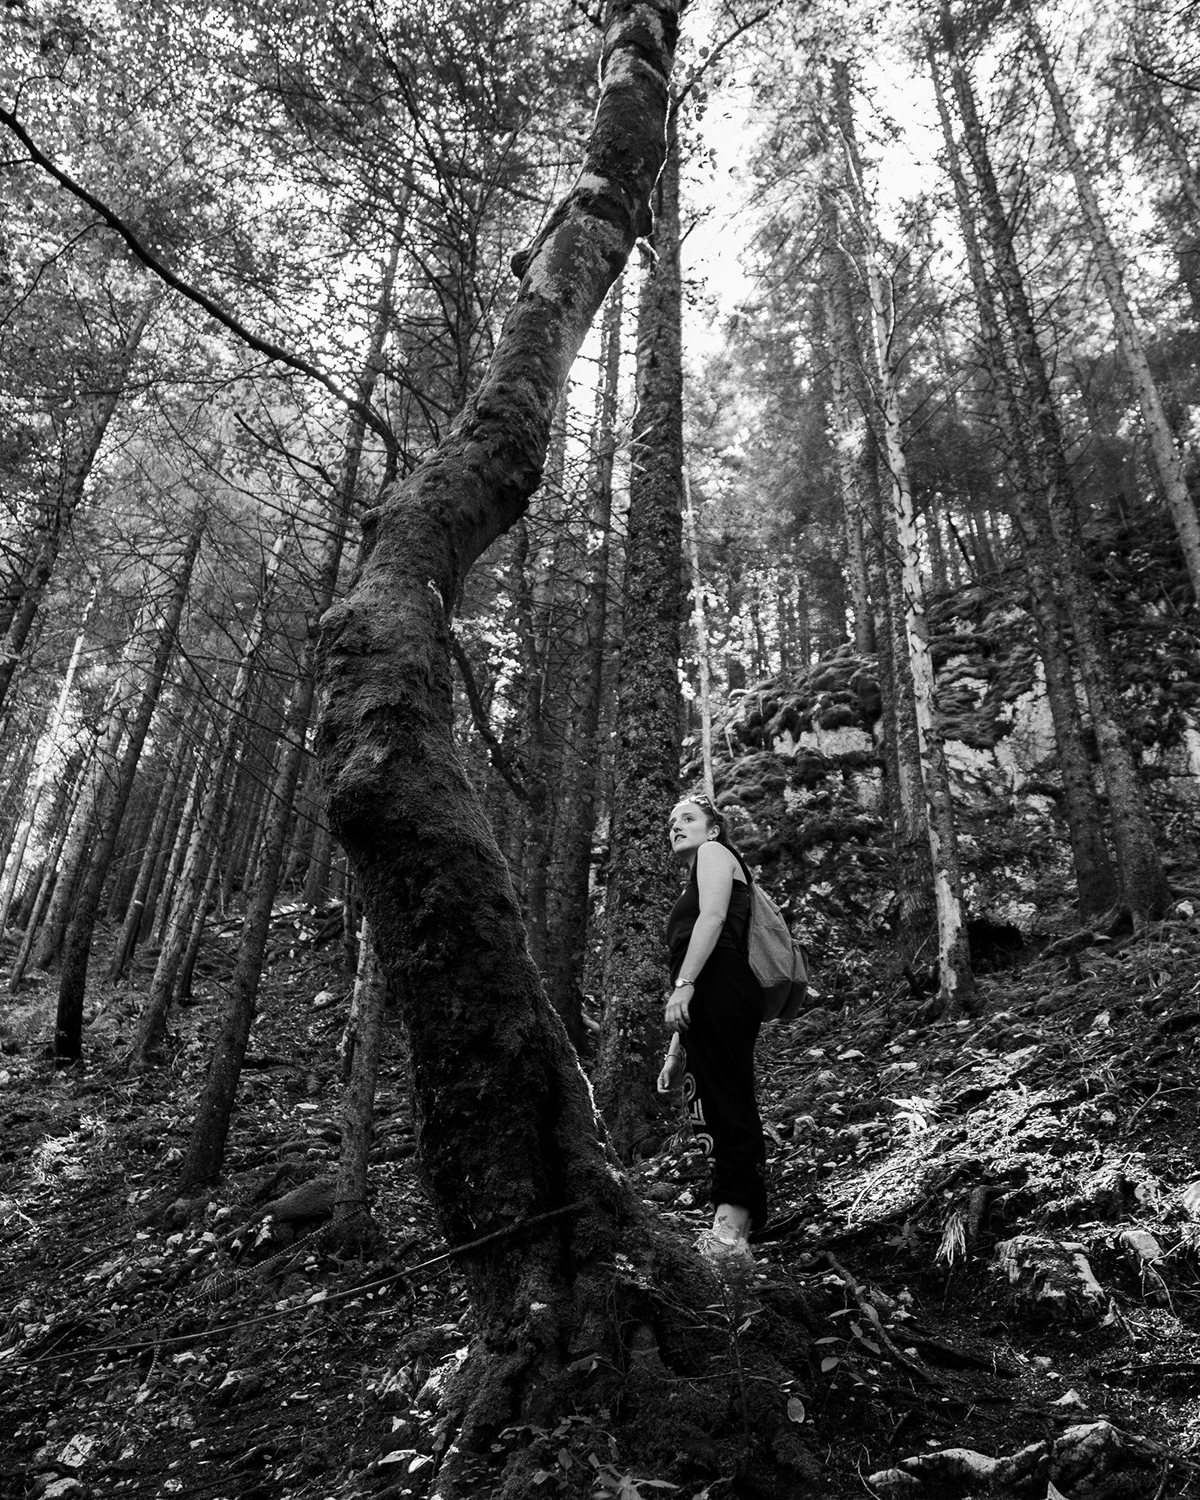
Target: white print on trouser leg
[{"x": 695, "y": 1111}]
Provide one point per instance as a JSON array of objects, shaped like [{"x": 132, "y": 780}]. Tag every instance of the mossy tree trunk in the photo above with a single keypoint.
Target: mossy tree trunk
[
  {"x": 643, "y": 877},
  {"x": 505, "y": 1122}
]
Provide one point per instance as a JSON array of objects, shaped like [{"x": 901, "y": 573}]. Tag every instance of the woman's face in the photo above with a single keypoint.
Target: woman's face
[{"x": 687, "y": 828}]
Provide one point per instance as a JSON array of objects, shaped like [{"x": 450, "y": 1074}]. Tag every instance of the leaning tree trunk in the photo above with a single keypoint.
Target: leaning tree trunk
[
  {"x": 1095, "y": 881},
  {"x": 1164, "y": 450},
  {"x": 68, "y": 1028},
  {"x": 506, "y": 1126},
  {"x": 642, "y": 873}
]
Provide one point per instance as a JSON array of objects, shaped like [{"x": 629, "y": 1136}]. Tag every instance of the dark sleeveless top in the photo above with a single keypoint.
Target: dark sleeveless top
[{"x": 687, "y": 909}]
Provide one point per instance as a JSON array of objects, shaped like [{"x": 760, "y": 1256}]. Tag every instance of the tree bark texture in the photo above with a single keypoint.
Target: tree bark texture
[
  {"x": 506, "y": 1126},
  {"x": 643, "y": 877}
]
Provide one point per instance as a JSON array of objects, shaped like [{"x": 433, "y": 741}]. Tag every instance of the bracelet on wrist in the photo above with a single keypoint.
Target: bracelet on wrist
[{"x": 680, "y": 983}]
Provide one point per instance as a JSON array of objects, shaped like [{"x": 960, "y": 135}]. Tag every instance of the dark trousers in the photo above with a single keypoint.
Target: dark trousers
[{"x": 718, "y": 1086}]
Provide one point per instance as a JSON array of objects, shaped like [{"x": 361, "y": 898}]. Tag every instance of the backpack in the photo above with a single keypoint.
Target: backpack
[{"x": 778, "y": 960}]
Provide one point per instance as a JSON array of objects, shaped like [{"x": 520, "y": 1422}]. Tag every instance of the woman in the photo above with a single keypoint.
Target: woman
[{"x": 717, "y": 1004}]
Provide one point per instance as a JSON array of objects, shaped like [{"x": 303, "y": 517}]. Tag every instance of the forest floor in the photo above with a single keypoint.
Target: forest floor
[{"x": 1000, "y": 1220}]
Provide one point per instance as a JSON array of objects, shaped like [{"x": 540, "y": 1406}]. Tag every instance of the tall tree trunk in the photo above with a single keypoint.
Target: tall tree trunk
[
  {"x": 1144, "y": 887},
  {"x": 89, "y": 811},
  {"x": 45, "y": 885},
  {"x": 575, "y": 827},
  {"x": 60, "y": 512},
  {"x": 700, "y": 625},
  {"x": 955, "y": 981},
  {"x": 211, "y": 1126},
  {"x": 1164, "y": 451},
  {"x": 506, "y": 1127},
  {"x": 50, "y": 737},
  {"x": 166, "y": 809},
  {"x": 193, "y": 891},
  {"x": 68, "y": 1028},
  {"x": 1095, "y": 881},
  {"x": 361, "y": 1070},
  {"x": 861, "y": 478},
  {"x": 642, "y": 872}
]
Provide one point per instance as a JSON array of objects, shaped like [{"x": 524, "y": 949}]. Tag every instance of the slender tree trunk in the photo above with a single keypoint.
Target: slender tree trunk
[
  {"x": 1094, "y": 877},
  {"x": 575, "y": 827},
  {"x": 89, "y": 812},
  {"x": 861, "y": 479},
  {"x": 642, "y": 873},
  {"x": 955, "y": 981},
  {"x": 94, "y": 420},
  {"x": 166, "y": 809},
  {"x": 701, "y": 627},
  {"x": 506, "y": 1127},
  {"x": 361, "y": 1066},
  {"x": 193, "y": 879},
  {"x": 68, "y": 1030},
  {"x": 50, "y": 737},
  {"x": 45, "y": 885},
  {"x": 1144, "y": 887},
  {"x": 211, "y": 1127},
  {"x": 316, "y": 880},
  {"x": 1164, "y": 451}
]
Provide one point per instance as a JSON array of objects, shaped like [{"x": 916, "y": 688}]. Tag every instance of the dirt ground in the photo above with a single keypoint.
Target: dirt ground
[{"x": 1000, "y": 1220}]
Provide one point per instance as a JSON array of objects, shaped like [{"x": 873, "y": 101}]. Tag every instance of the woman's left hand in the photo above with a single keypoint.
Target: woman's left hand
[{"x": 678, "y": 1000}]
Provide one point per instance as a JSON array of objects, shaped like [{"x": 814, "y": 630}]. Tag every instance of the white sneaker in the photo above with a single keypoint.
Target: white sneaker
[{"x": 723, "y": 1247}]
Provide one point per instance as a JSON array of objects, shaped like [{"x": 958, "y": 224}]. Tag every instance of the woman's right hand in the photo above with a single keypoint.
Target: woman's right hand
[{"x": 672, "y": 1071}]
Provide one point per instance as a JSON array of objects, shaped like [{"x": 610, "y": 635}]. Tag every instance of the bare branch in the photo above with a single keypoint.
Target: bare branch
[{"x": 214, "y": 310}]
